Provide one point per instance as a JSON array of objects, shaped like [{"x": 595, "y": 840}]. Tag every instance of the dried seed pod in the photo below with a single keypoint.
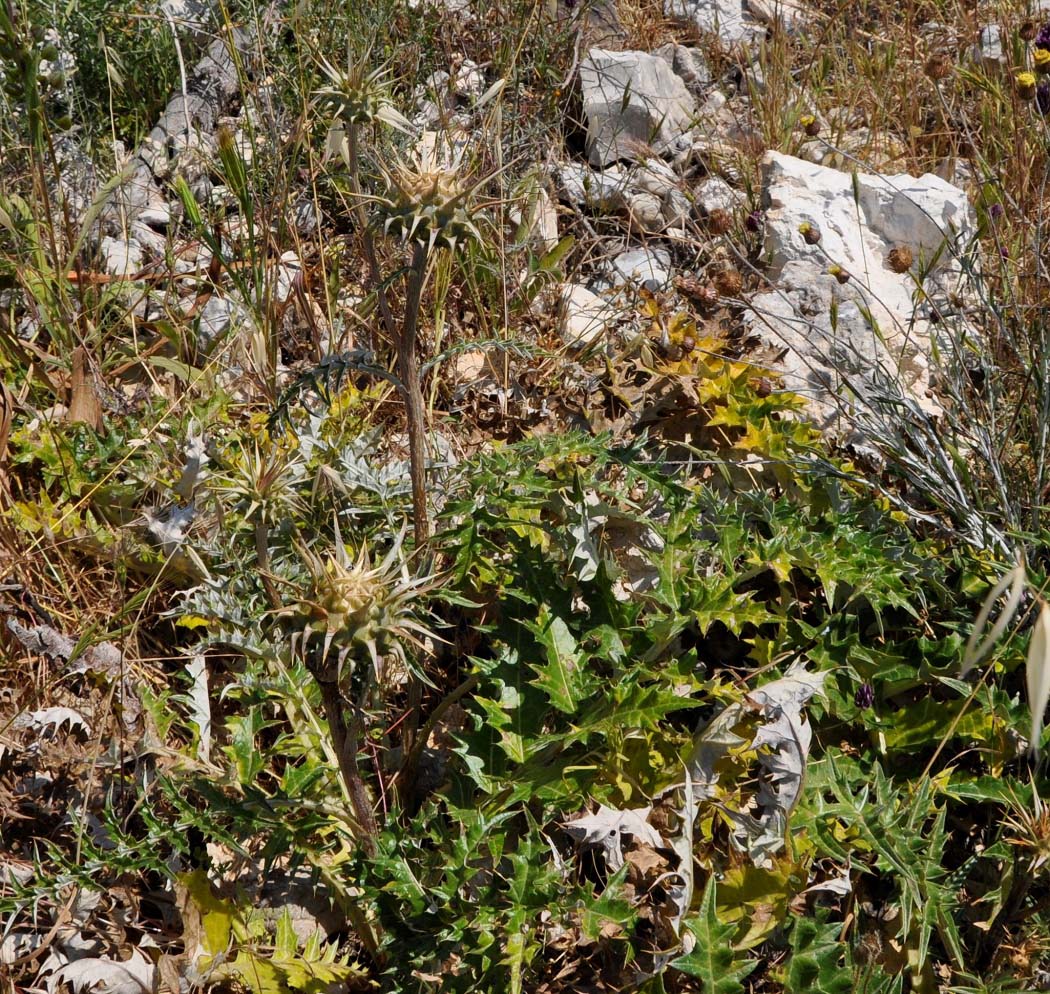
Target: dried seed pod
[
  {"x": 719, "y": 221},
  {"x": 900, "y": 259},
  {"x": 1028, "y": 30},
  {"x": 728, "y": 283},
  {"x": 700, "y": 293},
  {"x": 938, "y": 66}
]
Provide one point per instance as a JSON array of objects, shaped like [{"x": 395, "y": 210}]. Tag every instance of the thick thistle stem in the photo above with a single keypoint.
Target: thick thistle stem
[
  {"x": 408, "y": 371},
  {"x": 345, "y": 740}
]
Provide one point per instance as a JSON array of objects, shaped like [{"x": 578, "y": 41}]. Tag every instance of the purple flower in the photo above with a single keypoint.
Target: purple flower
[
  {"x": 1004, "y": 252},
  {"x": 1042, "y": 40},
  {"x": 1042, "y": 97},
  {"x": 865, "y": 696},
  {"x": 755, "y": 220},
  {"x": 995, "y": 211}
]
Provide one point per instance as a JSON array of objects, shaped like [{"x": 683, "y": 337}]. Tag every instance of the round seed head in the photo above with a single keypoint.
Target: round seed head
[
  {"x": 900, "y": 259},
  {"x": 729, "y": 283},
  {"x": 810, "y": 232},
  {"x": 719, "y": 221},
  {"x": 938, "y": 67}
]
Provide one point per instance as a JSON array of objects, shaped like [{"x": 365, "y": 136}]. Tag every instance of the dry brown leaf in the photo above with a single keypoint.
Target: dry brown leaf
[{"x": 84, "y": 405}]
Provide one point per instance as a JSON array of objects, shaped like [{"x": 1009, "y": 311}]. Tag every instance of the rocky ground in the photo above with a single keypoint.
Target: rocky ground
[{"x": 822, "y": 224}]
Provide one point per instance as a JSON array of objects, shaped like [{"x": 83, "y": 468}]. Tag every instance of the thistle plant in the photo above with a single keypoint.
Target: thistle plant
[
  {"x": 427, "y": 205},
  {"x": 357, "y": 99},
  {"x": 424, "y": 204},
  {"x": 350, "y": 616}
]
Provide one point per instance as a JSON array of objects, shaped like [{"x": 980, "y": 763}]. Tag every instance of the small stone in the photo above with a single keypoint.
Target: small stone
[
  {"x": 583, "y": 316},
  {"x": 582, "y": 186},
  {"x": 650, "y": 267},
  {"x": 989, "y": 47},
  {"x": 121, "y": 258},
  {"x": 645, "y": 212},
  {"x": 676, "y": 208},
  {"x": 724, "y": 18},
  {"x": 714, "y": 194}
]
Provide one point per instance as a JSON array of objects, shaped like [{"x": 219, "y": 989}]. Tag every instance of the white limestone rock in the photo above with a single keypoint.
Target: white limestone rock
[
  {"x": 598, "y": 189},
  {"x": 649, "y": 267},
  {"x": 989, "y": 48},
  {"x": 689, "y": 64},
  {"x": 633, "y": 102},
  {"x": 724, "y": 18},
  {"x": 121, "y": 258},
  {"x": 583, "y": 316},
  {"x": 714, "y": 193},
  {"x": 832, "y": 353}
]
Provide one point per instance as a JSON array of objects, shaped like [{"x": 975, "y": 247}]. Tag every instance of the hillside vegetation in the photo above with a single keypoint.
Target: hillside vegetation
[{"x": 517, "y": 496}]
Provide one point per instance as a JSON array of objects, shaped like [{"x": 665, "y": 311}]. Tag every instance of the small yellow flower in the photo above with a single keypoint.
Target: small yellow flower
[
  {"x": 809, "y": 125},
  {"x": 809, "y": 232},
  {"x": 1041, "y": 61},
  {"x": 1025, "y": 82}
]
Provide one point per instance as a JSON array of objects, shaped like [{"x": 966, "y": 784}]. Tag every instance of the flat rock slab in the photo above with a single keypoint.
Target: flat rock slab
[
  {"x": 634, "y": 103},
  {"x": 840, "y": 344}
]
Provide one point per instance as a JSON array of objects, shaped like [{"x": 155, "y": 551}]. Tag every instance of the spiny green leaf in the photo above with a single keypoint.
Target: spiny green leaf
[{"x": 713, "y": 960}]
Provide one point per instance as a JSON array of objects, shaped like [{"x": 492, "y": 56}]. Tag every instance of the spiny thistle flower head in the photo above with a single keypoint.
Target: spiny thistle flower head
[
  {"x": 359, "y": 98},
  {"x": 361, "y": 610},
  {"x": 728, "y": 282},
  {"x": 428, "y": 204},
  {"x": 719, "y": 221}
]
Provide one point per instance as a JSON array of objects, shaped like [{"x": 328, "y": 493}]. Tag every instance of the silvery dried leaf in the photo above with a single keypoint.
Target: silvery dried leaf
[
  {"x": 136, "y": 975},
  {"x": 606, "y": 828},
  {"x": 49, "y": 721}
]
